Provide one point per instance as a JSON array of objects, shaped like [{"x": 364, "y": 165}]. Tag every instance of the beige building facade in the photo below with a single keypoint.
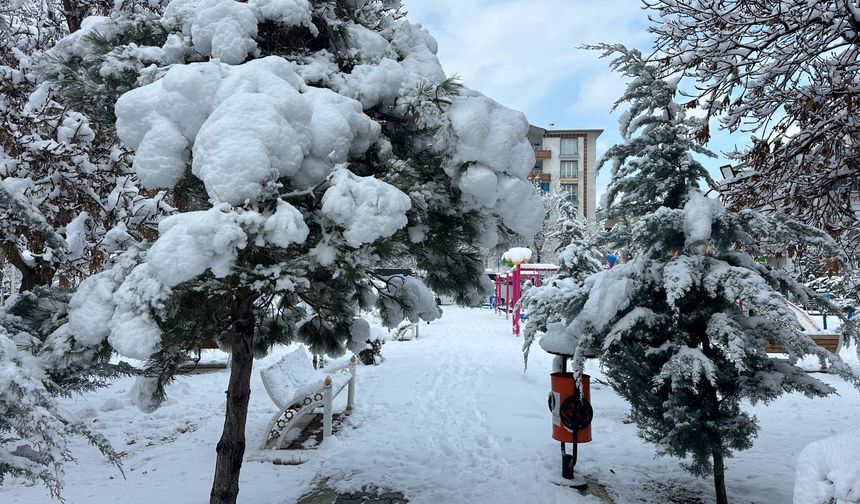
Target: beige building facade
[{"x": 566, "y": 162}]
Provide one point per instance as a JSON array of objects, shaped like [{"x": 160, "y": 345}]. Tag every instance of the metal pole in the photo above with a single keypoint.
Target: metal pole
[
  {"x": 517, "y": 287},
  {"x": 507, "y": 294}
]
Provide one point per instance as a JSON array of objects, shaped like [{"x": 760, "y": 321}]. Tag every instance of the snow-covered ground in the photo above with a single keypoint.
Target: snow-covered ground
[{"x": 448, "y": 418}]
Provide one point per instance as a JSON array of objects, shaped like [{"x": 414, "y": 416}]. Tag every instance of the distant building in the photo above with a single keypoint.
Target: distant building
[{"x": 566, "y": 161}]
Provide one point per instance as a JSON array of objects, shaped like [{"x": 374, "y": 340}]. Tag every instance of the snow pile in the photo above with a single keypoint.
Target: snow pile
[
  {"x": 828, "y": 470},
  {"x": 367, "y": 208},
  {"x": 517, "y": 255}
]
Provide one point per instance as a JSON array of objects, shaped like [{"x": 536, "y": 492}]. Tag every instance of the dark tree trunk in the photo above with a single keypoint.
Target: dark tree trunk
[
  {"x": 31, "y": 277},
  {"x": 720, "y": 478},
  {"x": 74, "y": 14},
  {"x": 231, "y": 447}
]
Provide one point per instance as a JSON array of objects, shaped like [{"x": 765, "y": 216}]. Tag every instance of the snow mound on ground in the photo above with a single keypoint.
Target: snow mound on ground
[
  {"x": 367, "y": 208},
  {"x": 828, "y": 470}
]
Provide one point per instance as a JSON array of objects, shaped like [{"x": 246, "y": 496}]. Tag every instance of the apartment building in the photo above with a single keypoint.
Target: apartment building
[{"x": 566, "y": 161}]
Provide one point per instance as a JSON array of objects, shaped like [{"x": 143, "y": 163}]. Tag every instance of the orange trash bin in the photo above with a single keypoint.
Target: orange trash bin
[{"x": 563, "y": 387}]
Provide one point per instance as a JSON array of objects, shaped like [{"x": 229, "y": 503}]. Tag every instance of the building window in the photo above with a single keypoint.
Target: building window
[
  {"x": 570, "y": 192},
  {"x": 569, "y": 146},
  {"x": 569, "y": 169},
  {"x": 544, "y": 187}
]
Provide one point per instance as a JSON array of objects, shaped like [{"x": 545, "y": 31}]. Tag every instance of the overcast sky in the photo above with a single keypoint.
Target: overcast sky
[{"x": 523, "y": 53}]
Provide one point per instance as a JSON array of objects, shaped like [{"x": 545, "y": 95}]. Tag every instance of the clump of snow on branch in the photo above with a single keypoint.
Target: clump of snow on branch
[
  {"x": 193, "y": 242},
  {"x": 367, "y": 208},
  {"x": 405, "y": 297}
]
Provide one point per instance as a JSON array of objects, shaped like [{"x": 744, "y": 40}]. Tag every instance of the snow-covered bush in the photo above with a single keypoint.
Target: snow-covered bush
[
  {"x": 308, "y": 142},
  {"x": 828, "y": 470},
  {"x": 666, "y": 323}
]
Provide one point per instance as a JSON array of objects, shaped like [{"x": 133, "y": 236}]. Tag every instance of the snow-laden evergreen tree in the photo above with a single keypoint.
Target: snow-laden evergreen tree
[
  {"x": 306, "y": 143},
  {"x": 562, "y": 225},
  {"x": 68, "y": 197},
  {"x": 576, "y": 247},
  {"x": 34, "y": 430},
  {"x": 671, "y": 337}
]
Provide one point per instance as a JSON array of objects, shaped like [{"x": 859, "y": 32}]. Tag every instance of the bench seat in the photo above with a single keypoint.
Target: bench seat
[{"x": 297, "y": 389}]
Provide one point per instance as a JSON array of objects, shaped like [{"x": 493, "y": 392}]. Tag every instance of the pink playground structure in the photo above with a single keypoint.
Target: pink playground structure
[{"x": 511, "y": 283}]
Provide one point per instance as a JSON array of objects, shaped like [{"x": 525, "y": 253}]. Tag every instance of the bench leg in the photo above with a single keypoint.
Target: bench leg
[
  {"x": 327, "y": 407},
  {"x": 350, "y": 392}
]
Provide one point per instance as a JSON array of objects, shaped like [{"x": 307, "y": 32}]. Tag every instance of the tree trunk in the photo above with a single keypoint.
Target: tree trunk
[
  {"x": 720, "y": 478},
  {"x": 231, "y": 446},
  {"x": 31, "y": 277},
  {"x": 74, "y": 15}
]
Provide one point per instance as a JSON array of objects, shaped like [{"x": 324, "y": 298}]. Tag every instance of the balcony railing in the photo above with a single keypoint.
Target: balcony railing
[
  {"x": 569, "y": 157},
  {"x": 543, "y": 154},
  {"x": 543, "y": 178}
]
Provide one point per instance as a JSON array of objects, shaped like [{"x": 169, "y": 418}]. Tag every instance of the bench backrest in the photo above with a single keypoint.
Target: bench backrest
[{"x": 291, "y": 378}]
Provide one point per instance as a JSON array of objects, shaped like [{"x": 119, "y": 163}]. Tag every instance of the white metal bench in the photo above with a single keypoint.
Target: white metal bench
[{"x": 297, "y": 389}]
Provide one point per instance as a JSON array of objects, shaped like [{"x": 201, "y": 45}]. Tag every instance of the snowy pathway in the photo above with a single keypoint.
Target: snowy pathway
[{"x": 447, "y": 418}]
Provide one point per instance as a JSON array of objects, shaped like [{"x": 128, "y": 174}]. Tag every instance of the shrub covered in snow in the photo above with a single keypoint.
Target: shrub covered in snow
[
  {"x": 308, "y": 141},
  {"x": 828, "y": 470}
]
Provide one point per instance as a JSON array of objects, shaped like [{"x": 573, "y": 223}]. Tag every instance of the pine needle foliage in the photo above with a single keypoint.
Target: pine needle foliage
[{"x": 680, "y": 329}]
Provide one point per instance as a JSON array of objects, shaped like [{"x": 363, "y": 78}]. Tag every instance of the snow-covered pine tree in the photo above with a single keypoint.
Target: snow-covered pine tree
[
  {"x": 673, "y": 341},
  {"x": 577, "y": 249},
  {"x": 68, "y": 197},
  {"x": 309, "y": 141},
  {"x": 34, "y": 429},
  {"x": 576, "y": 241}
]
